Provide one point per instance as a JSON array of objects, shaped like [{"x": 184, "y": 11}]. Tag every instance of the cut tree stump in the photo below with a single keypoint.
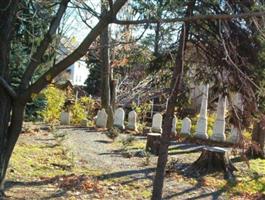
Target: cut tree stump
[
  {"x": 153, "y": 143},
  {"x": 212, "y": 159}
]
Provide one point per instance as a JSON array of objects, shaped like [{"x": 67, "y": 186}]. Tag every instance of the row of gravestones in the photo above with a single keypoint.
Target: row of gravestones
[
  {"x": 119, "y": 115},
  {"x": 219, "y": 125},
  {"x": 201, "y": 127}
]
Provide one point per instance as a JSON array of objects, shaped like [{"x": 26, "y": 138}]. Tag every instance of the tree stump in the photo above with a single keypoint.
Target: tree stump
[
  {"x": 212, "y": 159},
  {"x": 153, "y": 143}
]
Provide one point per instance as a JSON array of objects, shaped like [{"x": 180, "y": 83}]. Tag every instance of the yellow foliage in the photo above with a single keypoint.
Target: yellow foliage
[
  {"x": 55, "y": 100},
  {"x": 83, "y": 109}
]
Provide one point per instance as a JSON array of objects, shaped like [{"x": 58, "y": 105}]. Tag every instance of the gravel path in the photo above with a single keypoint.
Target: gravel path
[
  {"x": 98, "y": 150},
  {"x": 101, "y": 154}
]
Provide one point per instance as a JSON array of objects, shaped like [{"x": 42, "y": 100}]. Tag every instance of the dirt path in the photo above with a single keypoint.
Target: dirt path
[
  {"x": 41, "y": 168},
  {"x": 99, "y": 153}
]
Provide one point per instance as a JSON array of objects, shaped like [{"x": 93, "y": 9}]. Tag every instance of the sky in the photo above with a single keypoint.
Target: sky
[{"x": 77, "y": 28}]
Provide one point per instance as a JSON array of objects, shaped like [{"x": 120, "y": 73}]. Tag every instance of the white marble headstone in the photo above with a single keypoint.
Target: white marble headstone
[
  {"x": 201, "y": 128},
  {"x": 186, "y": 126},
  {"x": 219, "y": 125},
  {"x": 65, "y": 118},
  {"x": 119, "y": 118},
  {"x": 102, "y": 118},
  {"x": 132, "y": 120},
  {"x": 236, "y": 133},
  {"x": 174, "y": 125},
  {"x": 157, "y": 123}
]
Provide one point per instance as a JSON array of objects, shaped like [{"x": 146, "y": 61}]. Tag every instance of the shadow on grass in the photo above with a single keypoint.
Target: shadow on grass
[
  {"x": 177, "y": 195},
  {"x": 103, "y": 141},
  {"x": 132, "y": 175},
  {"x": 76, "y": 128},
  {"x": 202, "y": 191},
  {"x": 62, "y": 184}
]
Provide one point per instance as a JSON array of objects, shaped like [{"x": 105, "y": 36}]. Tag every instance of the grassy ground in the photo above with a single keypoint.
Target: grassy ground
[
  {"x": 41, "y": 168},
  {"x": 46, "y": 170}
]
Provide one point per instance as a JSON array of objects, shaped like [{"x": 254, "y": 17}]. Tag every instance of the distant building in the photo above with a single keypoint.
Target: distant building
[{"x": 78, "y": 73}]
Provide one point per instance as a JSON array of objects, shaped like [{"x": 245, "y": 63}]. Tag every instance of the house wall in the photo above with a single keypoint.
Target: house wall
[{"x": 78, "y": 73}]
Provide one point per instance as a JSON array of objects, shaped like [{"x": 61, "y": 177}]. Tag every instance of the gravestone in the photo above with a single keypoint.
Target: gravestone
[
  {"x": 157, "y": 123},
  {"x": 174, "y": 125},
  {"x": 201, "y": 127},
  {"x": 119, "y": 118},
  {"x": 235, "y": 131},
  {"x": 132, "y": 120},
  {"x": 186, "y": 125},
  {"x": 219, "y": 125},
  {"x": 102, "y": 118},
  {"x": 65, "y": 118}
]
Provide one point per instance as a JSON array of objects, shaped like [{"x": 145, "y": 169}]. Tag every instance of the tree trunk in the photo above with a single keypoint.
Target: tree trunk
[
  {"x": 113, "y": 93},
  {"x": 10, "y": 123},
  {"x": 105, "y": 69},
  {"x": 256, "y": 149},
  {"x": 10, "y": 136},
  {"x": 176, "y": 84},
  {"x": 157, "y": 39},
  {"x": 212, "y": 159}
]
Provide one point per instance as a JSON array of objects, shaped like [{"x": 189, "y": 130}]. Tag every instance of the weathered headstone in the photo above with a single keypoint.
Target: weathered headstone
[
  {"x": 119, "y": 118},
  {"x": 201, "y": 128},
  {"x": 157, "y": 123},
  {"x": 65, "y": 118},
  {"x": 235, "y": 131},
  {"x": 132, "y": 120},
  {"x": 235, "y": 135},
  {"x": 186, "y": 125},
  {"x": 219, "y": 125},
  {"x": 102, "y": 118},
  {"x": 174, "y": 125}
]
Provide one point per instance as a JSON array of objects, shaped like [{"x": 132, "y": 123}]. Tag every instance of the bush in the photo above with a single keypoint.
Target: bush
[
  {"x": 55, "y": 99},
  {"x": 84, "y": 108},
  {"x": 78, "y": 113},
  {"x": 33, "y": 108}
]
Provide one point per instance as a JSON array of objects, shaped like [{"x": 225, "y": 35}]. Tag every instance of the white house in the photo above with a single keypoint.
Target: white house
[{"x": 78, "y": 73}]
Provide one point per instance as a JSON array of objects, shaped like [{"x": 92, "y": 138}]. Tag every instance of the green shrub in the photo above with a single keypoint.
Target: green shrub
[
  {"x": 78, "y": 113},
  {"x": 55, "y": 99},
  {"x": 84, "y": 108},
  {"x": 33, "y": 108}
]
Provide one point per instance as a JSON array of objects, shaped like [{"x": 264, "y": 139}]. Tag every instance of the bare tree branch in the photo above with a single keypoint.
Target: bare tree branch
[
  {"x": 36, "y": 57},
  {"x": 81, "y": 50},
  {"x": 111, "y": 5},
  {"x": 7, "y": 87},
  {"x": 191, "y": 18}
]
